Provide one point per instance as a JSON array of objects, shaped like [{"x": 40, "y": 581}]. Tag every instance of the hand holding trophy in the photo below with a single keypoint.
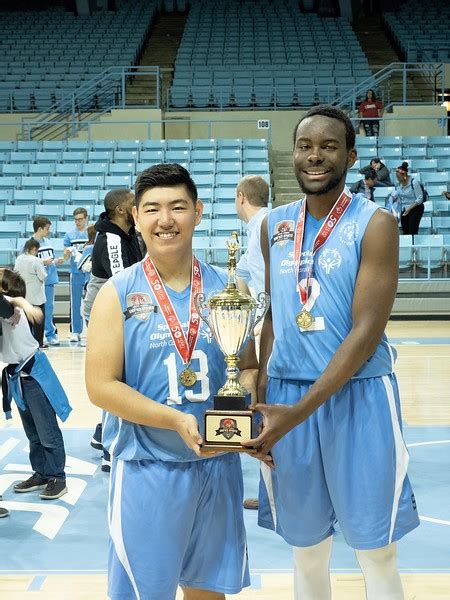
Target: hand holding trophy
[{"x": 232, "y": 316}]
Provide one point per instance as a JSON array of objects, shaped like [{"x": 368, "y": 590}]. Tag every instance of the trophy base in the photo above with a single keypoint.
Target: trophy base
[{"x": 228, "y": 423}]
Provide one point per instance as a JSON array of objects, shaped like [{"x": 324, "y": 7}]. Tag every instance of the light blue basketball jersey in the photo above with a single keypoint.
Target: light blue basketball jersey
[
  {"x": 304, "y": 355},
  {"x": 46, "y": 251},
  {"x": 75, "y": 239},
  {"x": 153, "y": 366}
]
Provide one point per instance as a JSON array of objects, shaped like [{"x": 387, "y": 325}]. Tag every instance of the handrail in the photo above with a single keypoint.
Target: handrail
[
  {"x": 84, "y": 100},
  {"x": 432, "y": 70}
]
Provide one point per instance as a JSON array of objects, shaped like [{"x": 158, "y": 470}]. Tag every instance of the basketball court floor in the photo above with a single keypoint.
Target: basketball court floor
[{"x": 58, "y": 550}]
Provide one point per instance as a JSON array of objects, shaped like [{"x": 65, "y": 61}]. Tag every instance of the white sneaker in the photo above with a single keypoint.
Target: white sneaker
[
  {"x": 83, "y": 342},
  {"x": 53, "y": 341},
  {"x": 75, "y": 337}
]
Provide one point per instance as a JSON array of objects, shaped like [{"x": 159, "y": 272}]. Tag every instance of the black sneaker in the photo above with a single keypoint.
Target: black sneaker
[
  {"x": 55, "y": 489},
  {"x": 96, "y": 441},
  {"x": 35, "y": 482},
  {"x": 106, "y": 462},
  {"x": 3, "y": 511}
]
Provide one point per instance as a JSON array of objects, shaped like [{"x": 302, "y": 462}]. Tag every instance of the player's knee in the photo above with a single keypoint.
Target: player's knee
[
  {"x": 310, "y": 558},
  {"x": 196, "y": 594},
  {"x": 377, "y": 557}
]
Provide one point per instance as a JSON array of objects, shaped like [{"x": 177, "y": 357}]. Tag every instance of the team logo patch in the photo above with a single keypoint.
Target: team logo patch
[
  {"x": 139, "y": 305},
  {"x": 284, "y": 231},
  {"x": 330, "y": 259},
  {"x": 228, "y": 428},
  {"x": 348, "y": 233}
]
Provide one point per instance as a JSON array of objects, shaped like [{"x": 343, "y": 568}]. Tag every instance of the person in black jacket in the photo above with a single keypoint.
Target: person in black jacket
[
  {"x": 381, "y": 170},
  {"x": 116, "y": 247},
  {"x": 365, "y": 186}
]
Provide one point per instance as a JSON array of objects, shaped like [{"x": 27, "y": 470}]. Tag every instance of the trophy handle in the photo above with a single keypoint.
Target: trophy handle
[
  {"x": 263, "y": 305},
  {"x": 201, "y": 304}
]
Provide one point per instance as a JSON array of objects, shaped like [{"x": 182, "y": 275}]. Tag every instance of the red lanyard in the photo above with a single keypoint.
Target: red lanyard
[
  {"x": 185, "y": 346},
  {"x": 332, "y": 219}
]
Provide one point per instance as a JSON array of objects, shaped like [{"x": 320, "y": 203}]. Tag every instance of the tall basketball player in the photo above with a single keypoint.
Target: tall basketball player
[
  {"x": 332, "y": 419},
  {"x": 175, "y": 514}
]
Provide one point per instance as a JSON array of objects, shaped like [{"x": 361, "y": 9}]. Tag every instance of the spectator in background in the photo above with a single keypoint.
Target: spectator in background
[
  {"x": 408, "y": 198},
  {"x": 116, "y": 247},
  {"x": 365, "y": 186},
  {"x": 383, "y": 175},
  {"x": 9, "y": 310},
  {"x": 446, "y": 195},
  {"x": 74, "y": 242},
  {"x": 39, "y": 396},
  {"x": 252, "y": 198},
  {"x": 33, "y": 272},
  {"x": 46, "y": 252},
  {"x": 370, "y": 112}
]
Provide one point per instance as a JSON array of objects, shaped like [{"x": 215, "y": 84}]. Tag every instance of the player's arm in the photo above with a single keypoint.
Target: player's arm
[
  {"x": 67, "y": 247},
  {"x": 266, "y": 344},
  {"x": 374, "y": 295},
  {"x": 104, "y": 372}
]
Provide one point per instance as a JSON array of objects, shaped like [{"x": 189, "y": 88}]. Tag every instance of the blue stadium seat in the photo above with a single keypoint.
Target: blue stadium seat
[
  {"x": 20, "y": 212},
  {"x": 68, "y": 168},
  {"x": 118, "y": 181},
  {"x": 85, "y": 197},
  {"x": 27, "y": 196},
  {"x": 52, "y": 211},
  {"x": 12, "y": 228},
  {"x": 95, "y": 182},
  {"x": 55, "y": 197}
]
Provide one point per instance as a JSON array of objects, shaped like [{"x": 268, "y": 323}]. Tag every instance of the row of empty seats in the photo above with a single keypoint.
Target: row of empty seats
[
  {"x": 421, "y": 30},
  {"x": 46, "y": 55},
  {"x": 240, "y": 54},
  {"x": 424, "y": 255}
]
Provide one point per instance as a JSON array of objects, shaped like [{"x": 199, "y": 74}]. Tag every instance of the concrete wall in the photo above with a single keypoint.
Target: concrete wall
[
  {"x": 126, "y": 124},
  {"x": 415, "y": 120},
  {"x": 11, "y": 125}
]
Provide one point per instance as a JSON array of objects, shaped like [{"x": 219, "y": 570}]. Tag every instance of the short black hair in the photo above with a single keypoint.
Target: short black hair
[
  {"x": 13, "y": 283},
  {"x": 326, "y": 110},
  {"x": 116, "y": 198},
  {"x": 370, "y": 174},
  {"x": 164, "y": 175},
  {"x": 31, "y": 244}
]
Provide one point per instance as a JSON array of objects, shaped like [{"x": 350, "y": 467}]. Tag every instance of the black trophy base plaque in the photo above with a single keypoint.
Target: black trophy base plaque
[{"x": 230, "y": 422}]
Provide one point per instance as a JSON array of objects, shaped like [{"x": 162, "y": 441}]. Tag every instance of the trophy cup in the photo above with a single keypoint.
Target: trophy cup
[{"x": 231, "y": 316}]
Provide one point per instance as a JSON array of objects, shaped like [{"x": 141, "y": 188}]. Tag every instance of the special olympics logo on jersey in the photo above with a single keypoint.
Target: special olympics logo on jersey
[
  {"x": 284, "y": 231},
  {"x": 139, "y": 305},
  {"x": 348, "y": 233},
  {"x": 330, "y": 259}
]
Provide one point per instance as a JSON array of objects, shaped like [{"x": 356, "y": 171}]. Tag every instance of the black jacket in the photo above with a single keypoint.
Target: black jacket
[
  {"x": 360, "y": 188},
  {"x": 383, "y": 176},
  {"x": 114, "y": 250}
]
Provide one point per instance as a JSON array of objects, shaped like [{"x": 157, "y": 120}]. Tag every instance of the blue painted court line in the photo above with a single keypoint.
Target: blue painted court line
[{"x": 36, "y": 583}]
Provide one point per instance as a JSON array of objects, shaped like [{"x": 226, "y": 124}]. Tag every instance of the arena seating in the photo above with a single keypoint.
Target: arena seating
[
  {"x": 45, "y": 55},
  {"x": 80, "y": 173},
  {"x": 420, "y": 29},
  {"x": 242, "y": 54}
]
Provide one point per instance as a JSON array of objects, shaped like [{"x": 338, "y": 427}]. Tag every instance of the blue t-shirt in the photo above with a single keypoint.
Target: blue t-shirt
[
  {"x": 75, "y": 240},
  {"x": 304, "y": 355},
  {"x": 46, "y": 251},
  {"x": 153, "y": 366}
]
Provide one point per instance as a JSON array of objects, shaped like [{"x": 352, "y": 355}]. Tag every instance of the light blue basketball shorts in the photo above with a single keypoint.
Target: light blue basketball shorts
[
  {"x": 346, "y": 463},
  {"x": 176, "y": 524}
]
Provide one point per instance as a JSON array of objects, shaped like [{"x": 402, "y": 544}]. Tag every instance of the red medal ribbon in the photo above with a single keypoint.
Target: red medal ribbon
[
  {"x": 185, "y": 346},
  {"x": 332, "y": 219}
]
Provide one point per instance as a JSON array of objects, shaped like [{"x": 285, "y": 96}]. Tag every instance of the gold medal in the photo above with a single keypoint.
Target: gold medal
[
  {"x": 304, "y": 319},
  {"x": 188, "y": 377}
]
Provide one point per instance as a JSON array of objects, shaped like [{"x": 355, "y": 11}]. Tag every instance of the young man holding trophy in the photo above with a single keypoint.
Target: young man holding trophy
[
  {"x": 332, "y": 415},
  {"x": 175, "y": 513}
]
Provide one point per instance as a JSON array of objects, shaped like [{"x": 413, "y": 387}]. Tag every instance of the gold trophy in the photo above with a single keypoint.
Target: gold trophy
[{"x": 231, "y": 316}]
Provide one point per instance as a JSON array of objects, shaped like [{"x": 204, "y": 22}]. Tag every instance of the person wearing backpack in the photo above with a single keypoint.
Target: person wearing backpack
[{"x": 409, "y": 196}]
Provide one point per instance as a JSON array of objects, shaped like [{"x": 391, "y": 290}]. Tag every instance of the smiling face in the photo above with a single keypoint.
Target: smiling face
[
  {"x": 321, "y": 157},
  {"x": 166, "y": 218}
]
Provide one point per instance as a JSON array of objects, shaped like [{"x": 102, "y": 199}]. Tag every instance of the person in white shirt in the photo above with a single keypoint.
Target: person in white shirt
[
  {"x": 252, "y": 199},
  {"x": 33, "y": 385},
  {"x": 33, "y": 272}
]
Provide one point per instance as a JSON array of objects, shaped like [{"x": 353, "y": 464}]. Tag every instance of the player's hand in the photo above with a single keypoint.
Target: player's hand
[
  {"x": 188, "y": 429},
  {"x": 59, "y": 261},
  {"x": 15, "y": 318},
  {"x": 278, "y": 419}
]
